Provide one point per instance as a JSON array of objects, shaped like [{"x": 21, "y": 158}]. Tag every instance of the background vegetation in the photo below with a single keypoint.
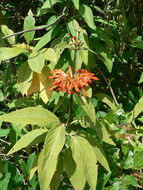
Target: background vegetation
[{"x": 111, "y": 33}]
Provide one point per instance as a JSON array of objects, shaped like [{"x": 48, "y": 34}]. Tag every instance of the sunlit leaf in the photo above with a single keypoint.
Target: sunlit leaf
[
  {"x": 24, "y": 78},
  {"x": 29, "y": 23},
  {"x": 26, "y": 140},
  {"x": 73, "y": 171},
  {"x": 8, "y": 53},
  {"x": 86, "y": 12},
  {"x": 107, "y": 100},
  {"x": 138, "y": 160},
  {"x": 137, "y": 110},
  {"x": 47, "y": 38},
  {"x": 76, "y": 3},
  {"x": 85, "y": 161},
  {"x": 6, "y": 31},
  {"x": 47, "y": 163},
  {"x": 37, "y": 60},
  {"x": 99, "y": 152},
  {"x": 31, "y": 115}
]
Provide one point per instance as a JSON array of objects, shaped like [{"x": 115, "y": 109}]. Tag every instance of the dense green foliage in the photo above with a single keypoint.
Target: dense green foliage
[{"x": 55, "y": 140}]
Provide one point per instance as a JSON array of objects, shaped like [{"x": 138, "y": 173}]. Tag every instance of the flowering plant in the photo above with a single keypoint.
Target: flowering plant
[{"x": 70, "y": 83}]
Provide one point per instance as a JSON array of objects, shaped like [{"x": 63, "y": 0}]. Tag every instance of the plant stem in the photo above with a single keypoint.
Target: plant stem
[
  {"x": 71, "y": 96},
  {"x": 110, "y": 87}
]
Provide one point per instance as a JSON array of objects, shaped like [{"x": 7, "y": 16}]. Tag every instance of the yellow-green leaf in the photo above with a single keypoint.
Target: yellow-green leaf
[
  {"x": 6, "y": 31},
  {"x": 24, "y": 78},
  {"x": 31, "y": 115},
  {"x": 73, "y": 171},
  {"x": 54, "y": 143},
  {"x": 76, "y": 3},
  {"x": 26, "y": 140},
  {"x": 37, "y": 60},
  {"x": 99, "y": 152},
  {"x": 8, "y": 53},
  {"x": 137, "y": 110},
  {"x": 29, "y": 23},
  {"x": 84, "y": 156},
  {"x": 107, "y": 100}
]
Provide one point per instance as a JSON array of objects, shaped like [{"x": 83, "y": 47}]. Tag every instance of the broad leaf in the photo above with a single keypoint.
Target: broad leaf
[
  {"x": 6, "y": 31},
  {"x": 86, "y": 12},
  {"x": 89, "y": 109},
  {"x": 29, "y": 22},
  {"x": 85, "y": 161},
  {"x": 138, "y": 160},
  {"x": 57, "y": 175},
  {"x": 75, "y": 174},
  {"x": 47, "y": 7},
  {"x": 8, "y": 53},
  {"x": 103, "y": 134},
  {"x": 32, "y": 115},
  {"x": 104, "y": 55},
  {"x": 27, "y": 140},
  {"x": 76, "y": 3},
  {"x": 137, "y": 110},
  {"x": 47, "y": 38},
  {"x": 99, "y": 152},
  {"x": 24, "y": 78},
  {"x": 107, "y": 100},
  {"x": 42, "y": 84},
  {"x": 37, "y": 60},
  {"x": 54, "y": 143}
]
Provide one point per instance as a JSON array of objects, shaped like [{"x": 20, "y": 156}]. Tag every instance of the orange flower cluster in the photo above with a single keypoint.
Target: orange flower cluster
[{"x": 67, "y": 82}]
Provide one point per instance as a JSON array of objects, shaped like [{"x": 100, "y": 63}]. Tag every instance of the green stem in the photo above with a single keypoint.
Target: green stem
[{"x": 71, "y": 96}]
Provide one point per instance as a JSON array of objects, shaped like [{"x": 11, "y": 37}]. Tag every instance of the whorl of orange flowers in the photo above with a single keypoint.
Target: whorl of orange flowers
[{"x": 67, "y": 82}]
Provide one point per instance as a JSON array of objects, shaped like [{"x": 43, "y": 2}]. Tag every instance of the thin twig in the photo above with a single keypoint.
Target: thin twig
[
  {"x": 35, "y": 29},
  {"x": 109, "y": 85},
  {"x": 5, "y": 141}
]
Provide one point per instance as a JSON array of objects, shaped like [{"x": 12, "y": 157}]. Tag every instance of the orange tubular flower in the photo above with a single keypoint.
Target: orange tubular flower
[{"x": 67, "y": 82}]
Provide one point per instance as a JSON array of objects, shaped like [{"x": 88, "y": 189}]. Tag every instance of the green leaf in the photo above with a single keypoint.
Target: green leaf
[
  {"x": 130, "y": 180},
  {"x": 5, "y": 181},
  {"x": 85, "y": 161},
  {"x": 6, "y": 31},
  {"x": 99, "y": 152},
  {"x": 103, "y": 134},
  {"x": 137, "y": 45},
  {"x": 57, "y": 175},
  {"x": 37, "y": 60},
  {"x": 8, "y": 53},
  {"x": 32, "y": 115},
  {"x": 26, "y": 140},
  {"x": 89, "y": 109},
  {"x": 47, "y": 38},
  {"x": 137, "y": 110},
  {"x": 141, "y": 79},
  {"x": 75, "y": 174},
  {"x": 107, "y": 100},
  {"x": 76, "y": 3},
  {"x": 4, "y": 132},
  {"x": 47, "y": 163},
  {"x": 74, "y": 28},
  {"x": 86, "y": 12},
  {"x": 138, "y": 160},
  {"x": 47, "y": 7},
  {"x": 29, "y": 23},
  {"x": 24, "y": 78}
]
